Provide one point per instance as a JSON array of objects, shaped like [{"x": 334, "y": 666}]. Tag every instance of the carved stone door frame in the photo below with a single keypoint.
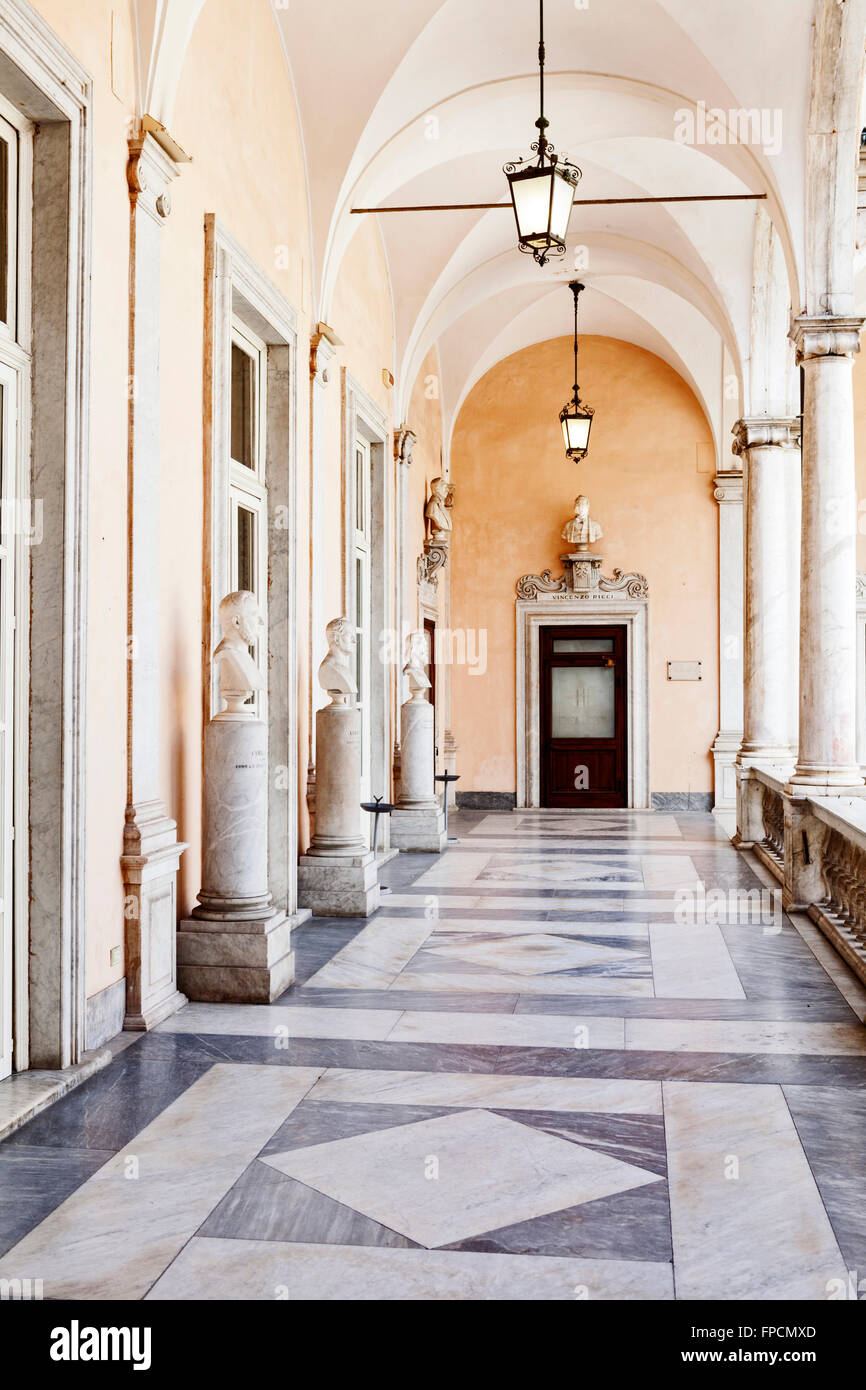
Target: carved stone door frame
[{"x": 569, "y": 611}]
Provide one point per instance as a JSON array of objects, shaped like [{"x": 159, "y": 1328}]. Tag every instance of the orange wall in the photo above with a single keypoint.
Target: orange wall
[{"x": 514, "y": 490}]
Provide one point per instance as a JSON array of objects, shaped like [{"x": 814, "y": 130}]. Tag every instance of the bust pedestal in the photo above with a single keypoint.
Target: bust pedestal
[
  {"x": 235, "y": 947},
  {"x": 417, "y": 823},
  {"x": 583, "y": 571},
  {"x": 337, "y": 877}
]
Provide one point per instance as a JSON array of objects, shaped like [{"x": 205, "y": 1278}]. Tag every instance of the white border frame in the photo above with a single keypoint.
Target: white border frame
[{"x": 532, "y": 615}]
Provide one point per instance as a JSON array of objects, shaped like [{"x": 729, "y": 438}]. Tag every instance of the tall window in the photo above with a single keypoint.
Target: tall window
[
  {"x": 362, "y": 556},
  {"x": 248, "y": 494}
]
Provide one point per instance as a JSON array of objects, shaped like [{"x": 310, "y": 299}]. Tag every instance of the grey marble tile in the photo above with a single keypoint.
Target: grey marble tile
[
  {"x": 637, "y": 1139},
  {"x": 107, "y": 1111},
  {"x": 34, "y": 1179},
  {"x": 404, "y": 999},
  {"x": 684, "y": 1066},
  {"x": 625, "y": 1226},
  {"x": 826, "y": 1123},
  {"x": 267, "y": 1205}
]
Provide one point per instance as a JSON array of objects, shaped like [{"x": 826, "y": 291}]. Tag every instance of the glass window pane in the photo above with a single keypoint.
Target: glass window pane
[
  {"x": 243, "y": 407},
  {"x": 360, "y": 490},
  {"x": 583, "y": 644},
  {"x": 246, "y": 536},
  {"x": 582, "y": 702}
]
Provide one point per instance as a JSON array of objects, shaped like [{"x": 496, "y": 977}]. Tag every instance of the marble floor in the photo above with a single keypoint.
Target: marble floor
[{"x": 576, "y": 1056}]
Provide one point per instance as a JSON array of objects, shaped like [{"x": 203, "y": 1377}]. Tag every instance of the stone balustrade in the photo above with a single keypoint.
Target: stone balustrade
[{"x": 841, "y": 845}]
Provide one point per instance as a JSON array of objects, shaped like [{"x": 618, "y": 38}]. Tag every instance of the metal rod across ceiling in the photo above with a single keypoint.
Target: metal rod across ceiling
[{"x": 578, "y": 202}]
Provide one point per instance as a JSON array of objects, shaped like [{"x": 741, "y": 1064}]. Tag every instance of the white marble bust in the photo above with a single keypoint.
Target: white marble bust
[
  {"x": 416, "y": 663},
  {"x": 580, "y": 530},
  {"x": 336, "y": 675},
  {"x": 438, "y": 511},
  {"x": 242, "y": 625}
]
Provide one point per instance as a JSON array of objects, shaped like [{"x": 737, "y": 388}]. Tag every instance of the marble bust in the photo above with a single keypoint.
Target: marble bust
[
  {"x": 416, "y": 663},
  {"x": 336, "y": 675},
  {"x": 580, "y": 530},
  {"x": 438, "y": 511},
  {"x": 242, "y": 626}
]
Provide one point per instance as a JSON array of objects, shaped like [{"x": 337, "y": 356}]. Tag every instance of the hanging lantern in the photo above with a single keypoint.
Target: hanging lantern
[
  {"x": 575, "y": 417},
  {"x": 542, "y": 186}
]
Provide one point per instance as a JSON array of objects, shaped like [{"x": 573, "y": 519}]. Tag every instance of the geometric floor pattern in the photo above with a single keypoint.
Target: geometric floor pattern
[{"x": 542, "y": 1067}]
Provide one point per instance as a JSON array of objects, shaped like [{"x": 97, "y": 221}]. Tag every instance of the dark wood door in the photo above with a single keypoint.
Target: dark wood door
[{"x": 583, "y": 716}]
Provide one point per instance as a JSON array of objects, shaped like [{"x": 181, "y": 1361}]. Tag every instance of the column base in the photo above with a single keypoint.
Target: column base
[
  {"x": 339, "y": 885},
  {"x": 419, "y": 828},
  {"x": 220, "y": 961},
  {"x": 149, "y": 864},
  {"x": 849, "y": 782}
]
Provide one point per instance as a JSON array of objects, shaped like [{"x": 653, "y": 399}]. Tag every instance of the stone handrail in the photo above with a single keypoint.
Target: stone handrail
[
  {"x": 842, "y": 913},
  {"x": 772, "y": 780}
]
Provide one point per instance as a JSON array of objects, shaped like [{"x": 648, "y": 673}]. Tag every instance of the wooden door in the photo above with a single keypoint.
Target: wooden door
[{"x": 584, "y": 688}]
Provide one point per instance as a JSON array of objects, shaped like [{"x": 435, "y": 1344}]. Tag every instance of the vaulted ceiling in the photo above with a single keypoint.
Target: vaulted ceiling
[{"x": 425, "y": 102}]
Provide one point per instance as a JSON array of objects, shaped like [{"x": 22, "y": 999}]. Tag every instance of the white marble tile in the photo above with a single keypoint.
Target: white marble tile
[
  {"x": 531, "y": 954},
  {"x": 457, "y": 1176},
  {"x": 745, "y": 1036},
  {"x": 467, "y": 1089},
  {"x": 510, "y": 1030},
  {"x": 373, "y": 957},
  {"x": 117, "y": 1232},
  {"x": 505, "y": 926},
  {"x": 668, "y": 871},
  {"x": 270, "y": 1020},
  {"x": 747, "y": 1219},
  {"x": 692, "y": 962},
  {"x": 234, "y": 1270},
  {"x": 458, "y": 870},
  {"x": 626, "y": 987}
]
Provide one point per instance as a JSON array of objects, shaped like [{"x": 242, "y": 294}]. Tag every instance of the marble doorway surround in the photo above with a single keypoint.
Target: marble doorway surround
[{"x": 565, "y": 609}]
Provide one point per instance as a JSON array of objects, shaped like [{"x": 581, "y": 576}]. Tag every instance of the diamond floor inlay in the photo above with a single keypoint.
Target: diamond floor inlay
[
  {"x": 520, "y": 1077},
  {"x": 443, "y": 1180}
]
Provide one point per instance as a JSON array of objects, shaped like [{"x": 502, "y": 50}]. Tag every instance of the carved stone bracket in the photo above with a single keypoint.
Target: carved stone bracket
[
  {"x": 861, "y": 586},
  {"x": 432, "y": 559},
  {"x": 533, "y": 586}
]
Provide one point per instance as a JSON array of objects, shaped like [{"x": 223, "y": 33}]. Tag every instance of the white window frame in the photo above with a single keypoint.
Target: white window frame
[
  {"x": 362, "y": 540},
  {"x": 248, "y": 490}
]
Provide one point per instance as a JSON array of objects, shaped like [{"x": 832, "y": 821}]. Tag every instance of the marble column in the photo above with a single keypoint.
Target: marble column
[
  {"x": 236, "y": 947},
  {"x": 827, "y": 759},
  {"x": 151, "y": 851},
  {"x": 418, "y": 821},
  {"x": 769, "y": 448},
  {"x": 728, "y": 494},
  {"x": 338, "y": 877},
  {"x": 323, "y": 349}
]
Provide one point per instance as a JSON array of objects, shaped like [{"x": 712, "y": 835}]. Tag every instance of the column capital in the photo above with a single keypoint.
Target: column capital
[
  {"x": 766, "y": 431},
  {"x": 404, "y": 444},
  {"x": 826, "y": 335},
  {"x": 149, "y": 173}
]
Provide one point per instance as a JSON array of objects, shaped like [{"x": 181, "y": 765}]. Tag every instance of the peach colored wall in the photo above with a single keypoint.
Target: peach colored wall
[
  {"x": 514, "y": 489},
  {"x": 425, "y": 419}
]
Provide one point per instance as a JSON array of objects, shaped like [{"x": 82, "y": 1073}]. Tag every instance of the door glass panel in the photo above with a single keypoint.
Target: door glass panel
[
  {"x": 583, "y": 644},
  {"x": 243, "y": 407},
  {"x": 582, "y": 702}
]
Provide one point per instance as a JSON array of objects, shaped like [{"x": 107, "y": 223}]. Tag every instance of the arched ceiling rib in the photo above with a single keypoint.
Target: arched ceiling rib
[{"x": 427, "y": 107}]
